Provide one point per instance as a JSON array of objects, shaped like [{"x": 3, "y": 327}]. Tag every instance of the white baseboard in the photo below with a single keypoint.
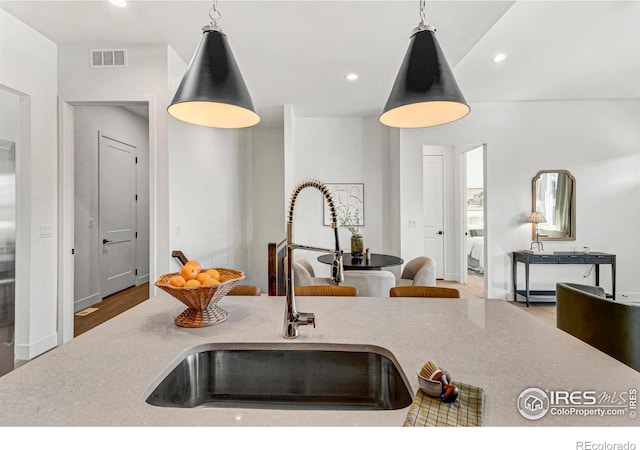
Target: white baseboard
[
  {"x": 29, "y": 351},
  {"x": 453, "y": 276},
  {"x": 86, "y": 302},
  {"x": 631, "y": 297},
  {"x": 500, "y": 294},
  {"x": 142, "y": 279}
]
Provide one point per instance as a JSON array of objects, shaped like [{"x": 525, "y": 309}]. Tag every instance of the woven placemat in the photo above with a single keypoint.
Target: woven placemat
[{"x": 466, "y": 411}]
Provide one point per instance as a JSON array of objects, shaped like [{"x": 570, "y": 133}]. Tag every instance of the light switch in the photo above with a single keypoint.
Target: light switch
[
  {"x": 413, "y": 223},
  {"x": 45, "y": 231},
  {"x": 178, "y": 231},
  {"x": 90, "y": 222}
]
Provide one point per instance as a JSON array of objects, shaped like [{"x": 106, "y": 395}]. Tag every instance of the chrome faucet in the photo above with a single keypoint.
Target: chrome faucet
[{"x": 292, "y": 317}]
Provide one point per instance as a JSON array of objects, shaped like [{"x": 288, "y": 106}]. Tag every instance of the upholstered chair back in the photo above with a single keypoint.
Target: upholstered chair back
[
  {"x": 420, "y": 271},
  {"x": 424, "y": 291},
  {"x": 612, "y": 327},
  {"x": 326, "y": 291}
]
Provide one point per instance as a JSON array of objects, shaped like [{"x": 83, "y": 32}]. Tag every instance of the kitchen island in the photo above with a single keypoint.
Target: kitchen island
[{"x": 101, "y": 377}]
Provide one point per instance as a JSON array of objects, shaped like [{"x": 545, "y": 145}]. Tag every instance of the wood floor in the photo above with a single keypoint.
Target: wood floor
[
  {"x": 475, "y": 288},
  {"x": 110, "y": 307}
]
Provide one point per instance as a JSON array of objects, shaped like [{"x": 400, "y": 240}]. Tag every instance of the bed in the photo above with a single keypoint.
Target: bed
[{"x": 475, "y": 250}]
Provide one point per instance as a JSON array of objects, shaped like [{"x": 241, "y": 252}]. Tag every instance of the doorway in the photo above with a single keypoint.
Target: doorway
[
  {"x": 7, "y": 254},
  {"x": 454, "y": 207},
  {"x": 474, "y": 215},
  {"x": 110, "y": 201}
]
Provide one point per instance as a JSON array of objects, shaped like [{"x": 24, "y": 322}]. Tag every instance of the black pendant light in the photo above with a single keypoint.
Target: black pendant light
[
  {"x": 425, "y": 92},
  {"x": 212, "y": 92}
]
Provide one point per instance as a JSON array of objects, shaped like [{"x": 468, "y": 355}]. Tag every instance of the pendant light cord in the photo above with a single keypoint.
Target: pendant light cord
[
  {"x": 215, "y": 17},
  {"x": 423, "y": 25},
  {"x": 423, "y": 14},
  {"x": 214, "y": 14}
]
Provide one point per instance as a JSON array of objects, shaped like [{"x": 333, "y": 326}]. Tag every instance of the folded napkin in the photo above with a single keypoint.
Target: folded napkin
[{"x": 466, "y": 411}]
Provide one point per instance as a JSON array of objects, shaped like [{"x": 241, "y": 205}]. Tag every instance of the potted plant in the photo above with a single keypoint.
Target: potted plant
[{"x": 351, "y": 220}]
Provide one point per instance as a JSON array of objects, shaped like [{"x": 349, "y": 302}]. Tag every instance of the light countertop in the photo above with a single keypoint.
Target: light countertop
[{"x": 100, "y": 378}]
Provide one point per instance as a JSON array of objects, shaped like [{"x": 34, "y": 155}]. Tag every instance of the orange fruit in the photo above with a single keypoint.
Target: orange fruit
[
  {"x": 189, "y": 272},
  {"x": 202, "y": 276},
  {"x": 195, "y": 263},
  {"x": 213, "y": 273},
  {"x": 177, "y": 281},
  {"x": 210, "y": 282},
  {"x": 192, "y": 283}
]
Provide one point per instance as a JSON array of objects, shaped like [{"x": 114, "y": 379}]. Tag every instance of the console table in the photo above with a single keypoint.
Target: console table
[{"x": 529, "y": 258}]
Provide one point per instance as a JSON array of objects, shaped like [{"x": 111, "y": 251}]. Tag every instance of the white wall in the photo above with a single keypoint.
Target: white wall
[
  {"x": 475, "y": 168},
  {"x": 207, "y": 173},
  {"x": 9, "y": 116},
  {"x": 265, "y": 202},
  {"x": 341, "y": 150},
  {"x": 597, "y": 141},
  {"x": 30, "y": 71},
  {"x": 208, "y": 188},
  {"x": 124, "y": 125}
]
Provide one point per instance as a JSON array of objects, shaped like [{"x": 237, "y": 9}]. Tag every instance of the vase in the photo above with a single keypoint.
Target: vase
[{"x": 357, "y": 246}]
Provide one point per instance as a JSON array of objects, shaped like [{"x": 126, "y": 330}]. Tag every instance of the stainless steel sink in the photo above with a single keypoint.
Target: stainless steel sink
[{"x": 283, "y": 376}]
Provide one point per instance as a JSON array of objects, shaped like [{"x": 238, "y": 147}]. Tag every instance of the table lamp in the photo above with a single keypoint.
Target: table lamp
[{"x": 536, "y": 218}]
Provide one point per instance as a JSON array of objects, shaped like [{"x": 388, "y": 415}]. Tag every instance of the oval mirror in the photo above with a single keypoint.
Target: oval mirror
[{"x": 553, "y": 194}]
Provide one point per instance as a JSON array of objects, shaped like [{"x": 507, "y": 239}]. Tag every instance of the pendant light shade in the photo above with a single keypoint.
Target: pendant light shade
[
  {"x": 425, "y": 92},
  {"x": 212, "y": 92}
]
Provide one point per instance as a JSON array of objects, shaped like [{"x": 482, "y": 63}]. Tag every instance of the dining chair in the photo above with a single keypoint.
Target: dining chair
[
  {"x": 420, "y": 271},
  {"x": 370, "y": 283},
  {"x": 322, "y": 290},
  {"x": 424, "y": 291},
  {"x": 244, "y": 289},
  {"x": 304, "y": 275}
]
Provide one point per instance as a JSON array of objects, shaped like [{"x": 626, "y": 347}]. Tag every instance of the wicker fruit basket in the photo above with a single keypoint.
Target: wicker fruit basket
[{"x": 202, "y": 310}]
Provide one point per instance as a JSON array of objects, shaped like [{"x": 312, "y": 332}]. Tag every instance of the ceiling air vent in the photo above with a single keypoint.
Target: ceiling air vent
[{"x": 114, "y": 57}]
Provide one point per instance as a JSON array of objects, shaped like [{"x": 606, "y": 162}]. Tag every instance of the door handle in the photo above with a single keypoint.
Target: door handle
[
  {"x": 106, "y": 241},
  {"x": 440, "y": 232}
]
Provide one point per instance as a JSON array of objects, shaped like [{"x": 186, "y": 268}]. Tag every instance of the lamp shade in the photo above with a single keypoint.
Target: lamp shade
[
  {"x": 425, "y": 92},
  {"x": 536, "y": 217},
  {"x": 212, "y": 92}
]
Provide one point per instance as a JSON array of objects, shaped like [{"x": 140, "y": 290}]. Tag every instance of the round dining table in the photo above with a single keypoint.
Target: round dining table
[{"x": 377, "y": 261}]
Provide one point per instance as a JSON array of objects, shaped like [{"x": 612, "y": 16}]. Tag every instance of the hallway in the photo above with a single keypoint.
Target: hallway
[{"x": 109, "y": 307}]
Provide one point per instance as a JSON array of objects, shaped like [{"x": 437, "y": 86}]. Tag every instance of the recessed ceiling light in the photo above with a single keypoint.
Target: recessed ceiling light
[
  {"x": 499, "y": 57},
  {"x": 121, "y": 3},
  {"x": 351, "y": 76}
]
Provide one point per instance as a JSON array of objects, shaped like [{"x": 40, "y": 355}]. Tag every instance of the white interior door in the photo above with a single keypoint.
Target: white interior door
[
  {"x": 117, "y": 215},
  {"x": 433, "y": 209}
]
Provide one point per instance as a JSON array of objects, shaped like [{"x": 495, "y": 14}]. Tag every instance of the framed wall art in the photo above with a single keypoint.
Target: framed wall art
[{"x": 349, "y": 198}]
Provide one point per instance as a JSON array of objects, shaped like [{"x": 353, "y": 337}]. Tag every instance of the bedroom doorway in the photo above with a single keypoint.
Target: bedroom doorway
[{"x": 474, "y": 225}]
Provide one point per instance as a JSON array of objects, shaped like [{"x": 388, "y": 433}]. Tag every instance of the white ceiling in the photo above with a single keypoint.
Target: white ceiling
[{"x": 298, "y": 52}]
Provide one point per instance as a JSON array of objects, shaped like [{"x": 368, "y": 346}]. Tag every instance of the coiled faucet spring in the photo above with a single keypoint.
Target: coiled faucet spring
[{"x": 293, "y": 319}]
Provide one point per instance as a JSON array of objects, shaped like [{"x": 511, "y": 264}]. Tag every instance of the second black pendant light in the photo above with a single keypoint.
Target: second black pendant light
[{"x": 425, "y": 92}]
